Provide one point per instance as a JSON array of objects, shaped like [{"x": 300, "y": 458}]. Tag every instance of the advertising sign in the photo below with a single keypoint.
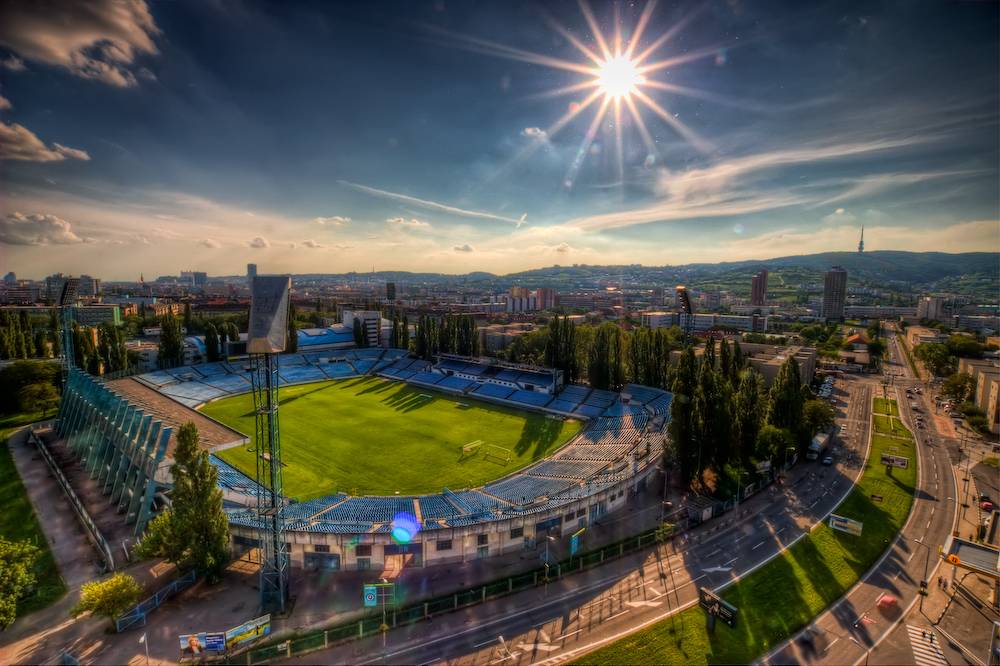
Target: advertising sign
[
  {"x": 845, "y": 524},
  {"x": 717, "y": 607},
  {"x": 248, "y": 631},
  {"x": 895, "y": 461},
  {"x": 195, "y": 644},
  {"x": 574, "y": 541},
  {"x": 370, "y": 596}
]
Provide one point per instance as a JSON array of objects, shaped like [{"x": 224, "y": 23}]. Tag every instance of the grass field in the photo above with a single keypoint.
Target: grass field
[
  {"x": 370, "y": 436},
  {"x": 791, "y": 589},
  {"x": 18, "y": 522},
  {"x": 886, "y": 406}
]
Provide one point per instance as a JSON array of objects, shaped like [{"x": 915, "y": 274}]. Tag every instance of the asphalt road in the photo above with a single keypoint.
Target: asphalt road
[
  {"x": 585, "y": 611},
  {"x": 846, "y": 632}
]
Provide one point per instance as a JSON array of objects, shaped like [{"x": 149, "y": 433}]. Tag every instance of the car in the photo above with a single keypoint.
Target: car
[
  {"x": 829, "y": 461},
  {"x": 986, "y": 506}
]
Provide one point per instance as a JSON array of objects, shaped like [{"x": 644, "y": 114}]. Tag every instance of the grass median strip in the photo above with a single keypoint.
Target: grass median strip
[
  {"x": 19, "y": 523},
  {"x": 886, "y": 406},
  {"x": 793, "y": 588}
]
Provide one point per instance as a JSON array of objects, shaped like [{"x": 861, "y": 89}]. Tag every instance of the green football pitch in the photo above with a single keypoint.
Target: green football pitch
[{"x": 370, "y": 436}]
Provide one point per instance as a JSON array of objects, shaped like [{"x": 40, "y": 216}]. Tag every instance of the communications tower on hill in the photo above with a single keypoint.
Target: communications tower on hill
[{"x": 861, "y": 243}]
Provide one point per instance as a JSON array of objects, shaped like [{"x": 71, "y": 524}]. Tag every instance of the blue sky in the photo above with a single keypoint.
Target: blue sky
[{"x": 326, "y": 137}]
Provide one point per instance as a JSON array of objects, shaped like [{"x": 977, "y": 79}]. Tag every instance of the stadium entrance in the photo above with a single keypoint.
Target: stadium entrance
[{"x": 398, "y": 556}]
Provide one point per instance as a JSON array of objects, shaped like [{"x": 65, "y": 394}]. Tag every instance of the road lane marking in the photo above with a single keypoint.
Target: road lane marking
[
  {"x": 757, "y": 546},
  {"x": 611, "y": 617}
]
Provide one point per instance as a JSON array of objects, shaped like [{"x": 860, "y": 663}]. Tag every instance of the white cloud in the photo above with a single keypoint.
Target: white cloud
[
  {"x": 210, "y": 243},
  {"x": 36, "y": 229},
  {"x": 536, "y": 133},
  {"x": 412, "y": 224},
  {"x": 5, "y": 104},
  {"x": 259, "y": 243},
  {"x": 432, "y": 205},
  {"x": 312, "y": 244},
  {"x": 840, "y": 216},
  {"x": 563, "y": 248},
  {"x": 98, "y": 40},
  {"x": 17, "y": 142},
  {"x": 13, "y": 63},
  {"x": 463, "y": 248},
  {"x": 333, "y": 220}
]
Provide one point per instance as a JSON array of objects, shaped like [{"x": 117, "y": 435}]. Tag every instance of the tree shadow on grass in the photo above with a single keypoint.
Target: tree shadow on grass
[{"x": 541, "y": 432}]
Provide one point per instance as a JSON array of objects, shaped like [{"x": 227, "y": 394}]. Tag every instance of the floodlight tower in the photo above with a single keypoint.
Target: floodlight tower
[{"x": 265, "y": 339}]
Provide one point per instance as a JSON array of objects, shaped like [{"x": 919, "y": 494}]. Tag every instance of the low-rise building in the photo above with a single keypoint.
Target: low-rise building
[{"x": 920, "y": 335}]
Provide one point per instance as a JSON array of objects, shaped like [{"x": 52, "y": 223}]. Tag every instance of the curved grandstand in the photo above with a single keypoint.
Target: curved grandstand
[{"x": 583, "y": 480}]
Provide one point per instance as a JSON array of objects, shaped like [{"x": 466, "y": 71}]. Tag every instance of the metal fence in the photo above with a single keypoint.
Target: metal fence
[
  {"x": 370, "y": 625},
  {"x": 143, "y": 608}
]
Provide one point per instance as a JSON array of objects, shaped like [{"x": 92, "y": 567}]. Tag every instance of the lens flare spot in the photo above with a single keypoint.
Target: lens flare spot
[
  {"x": 738, "y": 228},
  {"x": 404, "y": 528}
]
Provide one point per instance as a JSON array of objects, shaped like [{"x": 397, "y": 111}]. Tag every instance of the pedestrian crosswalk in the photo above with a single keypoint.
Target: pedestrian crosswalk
[{"x": 925, "y": 647}]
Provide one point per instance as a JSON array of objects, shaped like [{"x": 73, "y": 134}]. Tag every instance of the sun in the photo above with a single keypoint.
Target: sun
[{"x": 619, "y": 77}]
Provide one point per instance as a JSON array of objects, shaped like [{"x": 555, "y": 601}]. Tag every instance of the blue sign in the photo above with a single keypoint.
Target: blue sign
[
  {"x": 371, "y": 596},
  {"x": 574, "y": 542}
]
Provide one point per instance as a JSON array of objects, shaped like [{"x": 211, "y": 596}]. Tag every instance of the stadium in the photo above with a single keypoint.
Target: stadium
[{"x": 390, "y": 461}]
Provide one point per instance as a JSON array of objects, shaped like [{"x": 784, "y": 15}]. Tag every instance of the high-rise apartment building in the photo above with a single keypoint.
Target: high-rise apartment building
[
  {"x": 61, "y": 290},
  {"x": 546, "y": 298},
  {"x": 758, "y": 288},
  {"x": 390, "y": 291},
  {"x": 251, "y": 272},
  {"x": 932, "y": 307},
  {"x": 834, "y": 294}
]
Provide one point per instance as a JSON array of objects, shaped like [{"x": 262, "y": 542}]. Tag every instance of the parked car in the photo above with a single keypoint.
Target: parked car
[{"x": 829, "y": 461}]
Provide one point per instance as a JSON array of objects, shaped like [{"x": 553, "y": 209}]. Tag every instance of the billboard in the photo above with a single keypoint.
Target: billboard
[
  {"x": 845, "y": 524},
  {"x": 370, "y": 596},
  {"x": 195, "y": 644},
  {"x": 890, "y": 460},
  {"x": 717, "y": 606},
  {"x": 248, "y": 631}
]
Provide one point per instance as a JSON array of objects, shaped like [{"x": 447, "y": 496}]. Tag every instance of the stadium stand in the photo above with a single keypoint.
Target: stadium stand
[
  {"x": 530, "y": 398},
  {"x": 493, "y": 391},
  {"x": 523, "y": 489}
]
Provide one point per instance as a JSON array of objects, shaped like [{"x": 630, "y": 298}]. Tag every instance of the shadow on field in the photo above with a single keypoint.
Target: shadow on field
[{"x": 540, "y": 432}]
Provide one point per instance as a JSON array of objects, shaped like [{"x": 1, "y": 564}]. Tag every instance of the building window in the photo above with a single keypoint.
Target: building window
[
  {"x": 364, "y": 564},
  {"x": 320, "y": 548},
  {"x": 517, "y": 533},
  {"x": 569, "y": 517},
  {"x": 363, "y": 551},
  {"x": 483, "y": 539},
  {"x": 581, "y": 513},
  {"x": 483, "y": 552},
  {"x": 444, "y": 544}
]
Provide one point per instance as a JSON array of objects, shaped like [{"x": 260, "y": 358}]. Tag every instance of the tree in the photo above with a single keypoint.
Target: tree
[
  {"x": 749, "y": 408},
  {"x": 817, "y": 416},
  {"x": 292, "y": 341},
  {"x": 711, "y": 415},
  {"x": 187, "y": 317},
  {"x": 773, "y": 442},
  {"x": 786, "y": 398},
  {"x": 360, "y": 339},
  {"x": 608, "y": 358},
  {"x": 171, "y": 347},
  {"x": 195, "y": 532},
  {"x": 964, "y": 347},
  {"x": 936, "y": 358},
  {"x": 40, "y": 396},
  {"x": 681, "y": 427},
  {"x": 17, "y": 576},
  {"x": 108, "y": 598},
  {"x": 960, "y": 387},
  {"x": 211, "y": 343}
]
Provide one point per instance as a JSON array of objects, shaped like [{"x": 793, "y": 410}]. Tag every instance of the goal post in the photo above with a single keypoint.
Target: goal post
[
  {"x": 472, "y": 447},
  {"x": 498, "y": 452}
]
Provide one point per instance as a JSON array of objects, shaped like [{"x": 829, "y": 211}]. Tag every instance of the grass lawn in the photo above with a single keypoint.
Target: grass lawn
[
  {"x": 790, "y": 590},
  {"x": 370, "y": 436},
  {"x": 887, "y": 425},
  {"x": 886, "y": 406},
  {"x": 18, "y": 522}
]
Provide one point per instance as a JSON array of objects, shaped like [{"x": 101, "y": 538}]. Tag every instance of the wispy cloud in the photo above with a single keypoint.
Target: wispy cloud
[
  {"x": 412, "y": 224},
  {"x": 332, "y": 221},
  {"x": 19, "y": 143},
  {"x": 463, "y": 248},
  {"x": 259, "y": 243},
  {"x": 431, "y": 205},
  {"x": 311, "y": 244}
]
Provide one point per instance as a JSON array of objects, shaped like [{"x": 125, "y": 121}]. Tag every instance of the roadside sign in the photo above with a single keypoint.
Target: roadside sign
[
  {"x": 717, "y": 606},
  {"x": 845, "y": 524},
  {"x": 574, "y": 541},
  {"x": 370, "y": 596},
  {"x": 248, "y": 631},
  {"x": 890, "y": 460}
]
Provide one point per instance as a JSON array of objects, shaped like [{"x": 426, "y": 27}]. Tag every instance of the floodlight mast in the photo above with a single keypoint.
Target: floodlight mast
[{"x": 265, "y": 339}]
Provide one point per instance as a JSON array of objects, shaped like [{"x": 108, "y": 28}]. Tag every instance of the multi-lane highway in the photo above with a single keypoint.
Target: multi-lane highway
[
  {"x": 586, "y": 611},
  {"x": 851, "y": 628}
]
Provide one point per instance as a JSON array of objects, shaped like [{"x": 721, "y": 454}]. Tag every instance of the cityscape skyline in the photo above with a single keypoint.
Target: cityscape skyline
[{"x": 136, "y": 155}]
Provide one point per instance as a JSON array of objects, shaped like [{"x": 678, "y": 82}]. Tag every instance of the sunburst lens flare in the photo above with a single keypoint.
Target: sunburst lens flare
[{"x": 619, "y": 77}]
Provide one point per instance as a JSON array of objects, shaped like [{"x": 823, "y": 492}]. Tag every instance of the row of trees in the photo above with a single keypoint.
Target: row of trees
[
  {"x": 216, "y": 337},
  {"x": 400, "y": 336},
  {"x": 451, "y": 334},
  {"x": 23, "y": 336},
  {"x": 723, "y": 417}
]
